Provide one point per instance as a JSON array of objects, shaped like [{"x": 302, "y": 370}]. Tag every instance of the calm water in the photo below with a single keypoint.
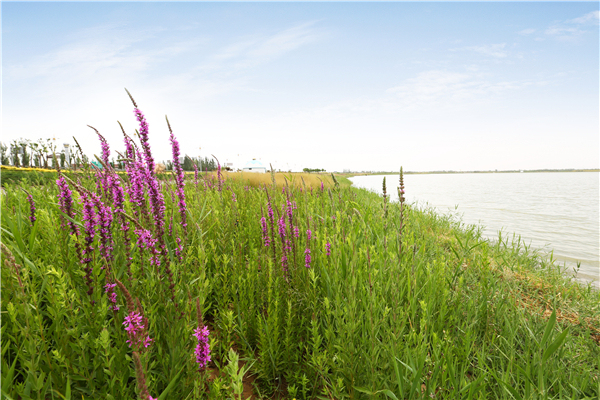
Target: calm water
[{"x": 556, "y": 211}]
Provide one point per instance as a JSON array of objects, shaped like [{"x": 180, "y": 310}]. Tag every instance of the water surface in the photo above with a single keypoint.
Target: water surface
[{"x": 556, "y": 211}]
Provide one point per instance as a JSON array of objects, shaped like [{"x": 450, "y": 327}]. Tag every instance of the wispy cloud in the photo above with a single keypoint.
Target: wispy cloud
[
  {"x": 492, "y": 50},
  {"x": 589, "y": 18},
  {"x": 437, "y": 87},
  {"x": 528, "y": 31},
  {"x": 572, "y": 29},
  {"x": 258, "y": 49}
]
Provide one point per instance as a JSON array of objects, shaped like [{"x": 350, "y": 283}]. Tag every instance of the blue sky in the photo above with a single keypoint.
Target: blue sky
[{"x": 360, "y": 86}]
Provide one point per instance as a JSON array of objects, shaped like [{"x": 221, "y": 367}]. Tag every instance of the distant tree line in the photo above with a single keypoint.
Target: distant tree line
[
  {"x": 309, "y": 170},
  {"x": 203, "y": 164}
]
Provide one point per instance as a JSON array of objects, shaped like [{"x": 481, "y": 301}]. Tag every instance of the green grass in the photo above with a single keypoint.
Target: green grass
[{"x": 432, "y": 312}]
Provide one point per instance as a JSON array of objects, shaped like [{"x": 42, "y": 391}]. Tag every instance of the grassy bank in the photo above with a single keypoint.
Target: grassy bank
[
  {"x": 111, "y": 284},
  {"x": 432, "y": 311}
]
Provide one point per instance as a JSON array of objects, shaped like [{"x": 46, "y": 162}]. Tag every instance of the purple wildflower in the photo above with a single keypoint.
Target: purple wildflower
[
  {"x": 179, "y": 178},
  {"x": 281, "y": 224},
  {"x": 112, "y": 296},
  {"x": 202, "y": 350},
  {"x": 90, "y": 220},
  {"x": 233, "y": 198},
  {"x": 328, "y": 247},
  {"x": 265, "y": 232},
  {"x": 144, "y": 140},
  {"x": 104, "y": 221},
  {"x": 307, "y": 258},
  {"x": 31, "y": 208},
  {"x": 136, "y": 331},
  {"x": 308, "y": 234},
  {"x": 195, "y": 174},
  {"x": 296, "y": 232},
  {"x": 322, "y": 186}
]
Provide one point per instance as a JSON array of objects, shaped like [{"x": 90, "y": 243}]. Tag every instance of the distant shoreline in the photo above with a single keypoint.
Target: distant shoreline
[{"x": 467, "y": 172}]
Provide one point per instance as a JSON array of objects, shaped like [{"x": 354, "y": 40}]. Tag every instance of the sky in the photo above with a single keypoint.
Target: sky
[{"x": 339, "y": 86}]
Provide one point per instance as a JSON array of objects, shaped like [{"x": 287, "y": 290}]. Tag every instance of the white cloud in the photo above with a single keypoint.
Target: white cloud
[
  {"x": 573, "y": 28},
  {"x": 253, "y": 51},
  {"x": 591, "y": 17},
  {"x": 450, "y": 89},
  {"x": 527, "y": 31},
  {"x": 492, "y": 50}
]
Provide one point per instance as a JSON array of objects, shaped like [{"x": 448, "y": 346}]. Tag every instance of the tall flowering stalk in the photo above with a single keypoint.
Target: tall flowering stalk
[
  {"x": 109, "y": 289},
  {"x": 65, "y": 201},
  {"x": 156, "y": 198},
  {"x": 32, "y": 217},
  {"x": 104, "y": 222},
  {"x": 143, "y": 135},
  {"x": 271, "y": 216},
  {"x": 265, "y": 232},
  {"x": 136, "y": 325},
  {"x": 202, "y": 350},
  {"x": 179, "y": 178},
  {"x": 90, "y": 220},
  {"x": 307, "y": 258},
  {"x": 195, "y": 174},
  {"x": 104, "y": 175},
  {"x": 119, "y": 207},
  {"x": 401, "y": 199}
]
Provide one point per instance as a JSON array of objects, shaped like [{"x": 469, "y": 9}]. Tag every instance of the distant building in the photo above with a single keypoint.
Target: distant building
[{"x": 254, "y": 166}]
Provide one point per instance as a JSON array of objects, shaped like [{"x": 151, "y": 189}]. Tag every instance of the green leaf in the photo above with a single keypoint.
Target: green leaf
[
  {"x": 555, "y": 345},
  {"x": 549, "y": 328},
  {"x": 170, "y": 386}
]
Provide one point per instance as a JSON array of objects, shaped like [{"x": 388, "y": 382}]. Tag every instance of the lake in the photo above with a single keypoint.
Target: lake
[{"x": 552, "y": 211}]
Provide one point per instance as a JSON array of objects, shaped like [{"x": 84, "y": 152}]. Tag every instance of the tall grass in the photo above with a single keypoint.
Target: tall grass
[{"x": 433, "y": 312}]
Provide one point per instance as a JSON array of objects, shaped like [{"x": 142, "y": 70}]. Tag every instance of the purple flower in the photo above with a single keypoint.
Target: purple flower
[
  {"x": 104, "y": 221},
  {"x": 271, "y": 214},
  {"x": 202, "y": 350},
  {"x": 31, "y": 208},
  {"x": 136, "y": 331},
  {"x": 307, "y": 258},
  {"x": 65, "y": 200},
  {"x": 233, "y": 198},
  {"x": 195, "y": 174},
  {"x": 328, "y": 247},
  {"x": 281, "y": 224},
  {"x": 308, "y": 234},
  {"x": 296, "y": 232},
  {"x": 112, "y": 296},
  {"x": 322, "y": 186},
  {"x": 90, "y": 220},
  {"x": 144, "y": 140},
  {"x": 179, "y": 178},
  {"x": 265, "y": 232}
]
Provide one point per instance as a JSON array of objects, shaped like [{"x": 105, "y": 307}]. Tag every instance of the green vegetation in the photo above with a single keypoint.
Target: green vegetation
[
  {"x": 308, "y": 292},
  {"x": 450, "y": 315}
]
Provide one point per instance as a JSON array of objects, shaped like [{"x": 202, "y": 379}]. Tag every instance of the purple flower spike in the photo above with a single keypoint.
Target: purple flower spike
[
  {"x": 307, "y": 258},
  {"x": 202, "y": 350},
  {"x": 281, "y": 224},
  {"x": 112, "y": 296},
  {"x": 265, "y": 232},
  {"x": 144, "y": 140},
  {"x": 328, "y": 247},
  {"x": 179, "y": 178},
  {"x": 31, "y": 208},
  {"x": 136, "y": 331},
  {"x": 308, "y": 234}
]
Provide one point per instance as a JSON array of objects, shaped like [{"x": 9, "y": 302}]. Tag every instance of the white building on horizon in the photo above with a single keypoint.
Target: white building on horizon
[{"x": 254, "y": 166}]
